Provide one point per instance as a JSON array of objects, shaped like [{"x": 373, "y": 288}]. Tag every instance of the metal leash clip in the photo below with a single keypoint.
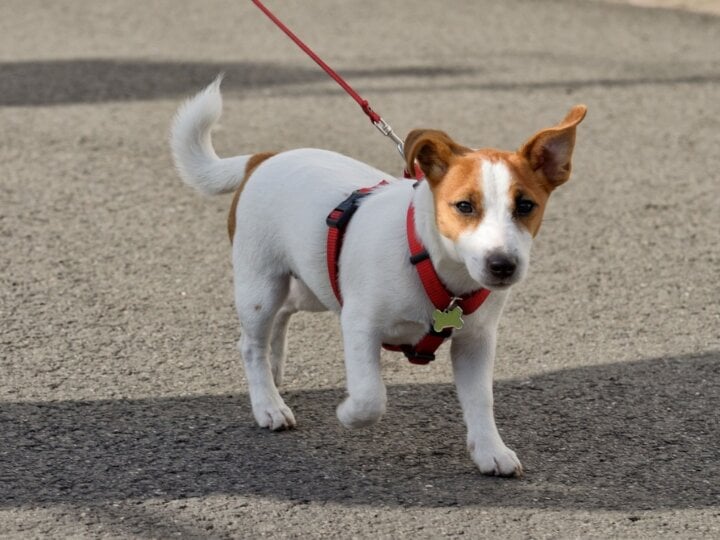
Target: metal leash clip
[{"x": 387, "y": 130}]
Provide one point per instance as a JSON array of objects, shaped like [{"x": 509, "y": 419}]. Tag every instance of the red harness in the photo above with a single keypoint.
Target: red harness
[{"x": 423, "y": 351}]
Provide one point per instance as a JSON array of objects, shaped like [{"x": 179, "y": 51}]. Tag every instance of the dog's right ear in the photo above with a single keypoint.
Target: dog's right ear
[{"x": 433, "y": 150}]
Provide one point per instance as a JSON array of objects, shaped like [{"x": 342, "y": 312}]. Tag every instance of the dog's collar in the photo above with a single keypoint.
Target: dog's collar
[{"x": 448, "y": 307}]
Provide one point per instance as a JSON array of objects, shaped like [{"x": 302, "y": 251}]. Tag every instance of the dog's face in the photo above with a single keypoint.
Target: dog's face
[{"x": 489, "y": 204}]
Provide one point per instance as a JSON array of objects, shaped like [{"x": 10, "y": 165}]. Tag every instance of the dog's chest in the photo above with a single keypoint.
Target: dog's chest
[{"x": 402, "y": 332}]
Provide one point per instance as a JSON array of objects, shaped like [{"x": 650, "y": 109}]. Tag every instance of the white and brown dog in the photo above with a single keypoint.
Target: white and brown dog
[{"x": 476, "y": 214}]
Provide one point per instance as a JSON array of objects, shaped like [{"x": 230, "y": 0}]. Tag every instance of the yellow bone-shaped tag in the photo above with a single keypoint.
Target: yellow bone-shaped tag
[{"x": 447, "y": 319}]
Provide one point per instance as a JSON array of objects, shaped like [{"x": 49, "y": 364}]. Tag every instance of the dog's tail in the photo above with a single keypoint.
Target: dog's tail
[{"x": 195, "y": 158}]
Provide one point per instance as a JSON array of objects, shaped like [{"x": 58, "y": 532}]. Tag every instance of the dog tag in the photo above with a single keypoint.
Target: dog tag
[{"x": 450, "y": 318}]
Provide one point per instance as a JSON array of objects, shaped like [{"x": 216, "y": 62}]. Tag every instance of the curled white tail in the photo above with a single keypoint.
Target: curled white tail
[{"x": 195, "y": 158}]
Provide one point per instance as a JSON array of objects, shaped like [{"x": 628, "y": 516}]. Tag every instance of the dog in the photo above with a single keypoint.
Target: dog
[{"x": 475, "y": 212}]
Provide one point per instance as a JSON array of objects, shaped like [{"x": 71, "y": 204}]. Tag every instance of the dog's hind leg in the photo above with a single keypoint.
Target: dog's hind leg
[
  {"x": 258, "y": 299},
  {"x": 278, "y": 341},
  {"x": 300, "y": 298}
]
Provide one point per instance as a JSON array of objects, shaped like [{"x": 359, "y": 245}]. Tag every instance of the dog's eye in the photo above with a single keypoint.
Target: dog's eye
[
  {"x": 464, "y": 207},
  {"x": 523, "y": 206}
]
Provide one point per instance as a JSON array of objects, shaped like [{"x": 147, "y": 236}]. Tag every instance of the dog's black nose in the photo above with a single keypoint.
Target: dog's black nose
[{"x": 501, "y": 266}]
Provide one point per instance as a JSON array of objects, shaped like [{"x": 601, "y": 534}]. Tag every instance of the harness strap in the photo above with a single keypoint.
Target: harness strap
[
  {"x": 434, "y": 287},
  {"x": 337, "y": 221},
  {"x": 423, "y": 352}
]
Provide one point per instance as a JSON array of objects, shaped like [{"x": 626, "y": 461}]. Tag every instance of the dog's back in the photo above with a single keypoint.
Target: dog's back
[{"x": 278, "y": 214}]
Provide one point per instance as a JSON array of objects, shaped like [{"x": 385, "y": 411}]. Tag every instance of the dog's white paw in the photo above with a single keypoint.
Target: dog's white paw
[
  {"x": 495, "y": 459},
  {"x": 356, "y": 414},
  {"x": 273, "y": 414}
]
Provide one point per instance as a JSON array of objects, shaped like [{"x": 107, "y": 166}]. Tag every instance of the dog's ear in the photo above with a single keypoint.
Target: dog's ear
[
  {"x": 433, "y": 150},
  {"x": 550, "y": 151}
]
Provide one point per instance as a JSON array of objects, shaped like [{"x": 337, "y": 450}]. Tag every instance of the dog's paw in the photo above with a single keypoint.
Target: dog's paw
[
  {"x": 356, "y": 414},
  {"x": 274, "y": 415},
  {"x": 495, "y": 460}
]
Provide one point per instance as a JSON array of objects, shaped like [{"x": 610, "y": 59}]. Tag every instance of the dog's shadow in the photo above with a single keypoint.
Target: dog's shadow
[{"x": 628, "y": 436}]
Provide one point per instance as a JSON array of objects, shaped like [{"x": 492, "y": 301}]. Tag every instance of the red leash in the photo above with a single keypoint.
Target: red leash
[{"x": 375, "y": 118}]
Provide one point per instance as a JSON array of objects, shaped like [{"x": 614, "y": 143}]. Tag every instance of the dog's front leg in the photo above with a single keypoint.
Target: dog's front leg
[
  {"x": 367, "y": 396},
  {"x": 473, "y": 358}
]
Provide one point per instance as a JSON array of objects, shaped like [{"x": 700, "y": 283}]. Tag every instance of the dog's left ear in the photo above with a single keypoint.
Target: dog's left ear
[
  {"x": 433, "y": 150},
  {"x": 550, "y": 151}
]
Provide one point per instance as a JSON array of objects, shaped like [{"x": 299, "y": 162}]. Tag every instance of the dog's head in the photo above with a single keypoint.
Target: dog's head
[{"x": 489, "y": 204}]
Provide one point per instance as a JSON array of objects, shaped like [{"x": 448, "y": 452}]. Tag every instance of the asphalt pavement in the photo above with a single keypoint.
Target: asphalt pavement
[{"x": 123, "y": 407}]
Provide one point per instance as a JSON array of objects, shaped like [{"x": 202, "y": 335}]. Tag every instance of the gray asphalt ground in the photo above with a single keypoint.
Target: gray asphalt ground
[{"x": 123, "y": 407}]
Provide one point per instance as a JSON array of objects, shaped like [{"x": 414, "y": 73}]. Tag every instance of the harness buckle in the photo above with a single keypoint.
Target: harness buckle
[
  {"x": 415, "y": 357},
  {"x": 339, "y": 218}
]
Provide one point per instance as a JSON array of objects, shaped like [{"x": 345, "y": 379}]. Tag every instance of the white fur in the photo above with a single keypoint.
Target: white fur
[
  {"x": 279, "y": 262},
  {"x": 195, "y": 158}
]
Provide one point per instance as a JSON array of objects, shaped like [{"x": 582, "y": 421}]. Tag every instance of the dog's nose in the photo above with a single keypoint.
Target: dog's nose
[{"x": 501, "y": 266}]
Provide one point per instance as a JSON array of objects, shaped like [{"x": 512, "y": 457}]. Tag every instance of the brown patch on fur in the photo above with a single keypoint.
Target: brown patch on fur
[
  {"x": 433, "y": 150},
  {"x": 452, "y": 175},
  {"x": 250, "y": 167},
  {"x": 531, "y": 185},
  {"x": 460, "y": 183}
]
